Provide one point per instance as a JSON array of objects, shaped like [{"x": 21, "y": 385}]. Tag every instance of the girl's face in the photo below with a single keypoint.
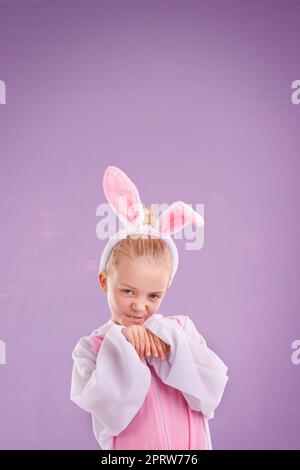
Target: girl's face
[{"x": 135, "y": 289}]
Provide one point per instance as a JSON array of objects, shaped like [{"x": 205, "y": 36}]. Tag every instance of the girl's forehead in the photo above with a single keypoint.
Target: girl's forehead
[
  {"x": 137, "y": 274},
  {"x": 141, "y": 264}
]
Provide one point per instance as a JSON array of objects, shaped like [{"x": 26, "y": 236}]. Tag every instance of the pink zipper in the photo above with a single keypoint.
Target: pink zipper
[{"x": 161, "y": 414}]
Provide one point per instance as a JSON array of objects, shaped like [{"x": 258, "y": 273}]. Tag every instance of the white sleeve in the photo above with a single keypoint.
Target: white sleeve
[
  {"x": 112, "y": 384},
  {"x": 190, "y": 366}
]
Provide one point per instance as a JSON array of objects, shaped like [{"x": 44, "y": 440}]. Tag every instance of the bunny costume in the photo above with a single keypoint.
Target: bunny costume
[{"x": 147, "y": 403}]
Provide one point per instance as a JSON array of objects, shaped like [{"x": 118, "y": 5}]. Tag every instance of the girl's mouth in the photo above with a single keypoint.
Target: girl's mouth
[{"x": 133, "y": 317}]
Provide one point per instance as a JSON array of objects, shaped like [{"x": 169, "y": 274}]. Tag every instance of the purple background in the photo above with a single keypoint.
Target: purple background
[{"x": 193, "y": 100}]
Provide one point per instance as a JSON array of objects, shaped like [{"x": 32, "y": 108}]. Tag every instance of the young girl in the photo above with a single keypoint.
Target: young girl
[{"x": 149, "y": 381}]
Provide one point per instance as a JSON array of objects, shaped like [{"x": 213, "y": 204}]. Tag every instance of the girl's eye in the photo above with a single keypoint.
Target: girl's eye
[
  {"x": 126, "y": 291},
  {"x": 155, "y": 297}
]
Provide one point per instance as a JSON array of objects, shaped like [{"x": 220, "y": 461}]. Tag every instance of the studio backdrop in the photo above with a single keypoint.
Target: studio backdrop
[{"x": 197, "y": 101}]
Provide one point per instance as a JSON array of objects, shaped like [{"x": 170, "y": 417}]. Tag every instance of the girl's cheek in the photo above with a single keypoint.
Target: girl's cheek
[
  {"x": 123, "y": 304},
  {"x": 122, "y": 301}
]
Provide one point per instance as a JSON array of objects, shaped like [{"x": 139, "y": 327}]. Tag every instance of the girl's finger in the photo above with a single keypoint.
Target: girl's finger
[
  {"x": 142, "y": 342},
  {"x": 162, "y": 344},
  {"x": 136, "y": 339},
  {"x": 147, "y": 344},
  {"x": 154, "y": 351},
  {"x": 159, "y": 347}
]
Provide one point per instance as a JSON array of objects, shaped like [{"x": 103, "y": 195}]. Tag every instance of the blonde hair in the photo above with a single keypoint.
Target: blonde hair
[{"x": 135, "y": 246}]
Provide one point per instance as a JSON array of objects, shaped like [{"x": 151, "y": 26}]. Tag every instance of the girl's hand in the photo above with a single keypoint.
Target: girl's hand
[{"x": 145, "y": 342}]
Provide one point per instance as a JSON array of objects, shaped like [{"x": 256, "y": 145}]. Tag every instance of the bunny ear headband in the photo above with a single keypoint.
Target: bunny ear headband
[{"x": 124, "y": 199}]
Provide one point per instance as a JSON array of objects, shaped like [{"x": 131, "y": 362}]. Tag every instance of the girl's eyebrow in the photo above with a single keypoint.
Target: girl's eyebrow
[{"x": 133, "y": 288}]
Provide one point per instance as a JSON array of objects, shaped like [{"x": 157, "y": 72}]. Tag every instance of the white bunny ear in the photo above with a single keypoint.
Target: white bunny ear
[
  {"x": 123, "y": 196},
  {"x": 177, "y": 216}
]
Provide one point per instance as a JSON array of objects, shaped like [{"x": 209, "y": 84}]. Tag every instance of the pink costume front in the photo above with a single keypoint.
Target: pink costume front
[{"x": 150, "y": 403}]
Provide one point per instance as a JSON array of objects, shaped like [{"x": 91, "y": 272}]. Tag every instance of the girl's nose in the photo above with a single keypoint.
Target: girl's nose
[{"x": 139, "y": 307}]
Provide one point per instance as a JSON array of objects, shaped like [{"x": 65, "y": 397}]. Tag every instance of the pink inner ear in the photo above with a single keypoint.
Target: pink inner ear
[
  {"x": 122, "y": 194},
  {"x": 172, "y": 219},
  {"x": 177, "y": 216}
]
